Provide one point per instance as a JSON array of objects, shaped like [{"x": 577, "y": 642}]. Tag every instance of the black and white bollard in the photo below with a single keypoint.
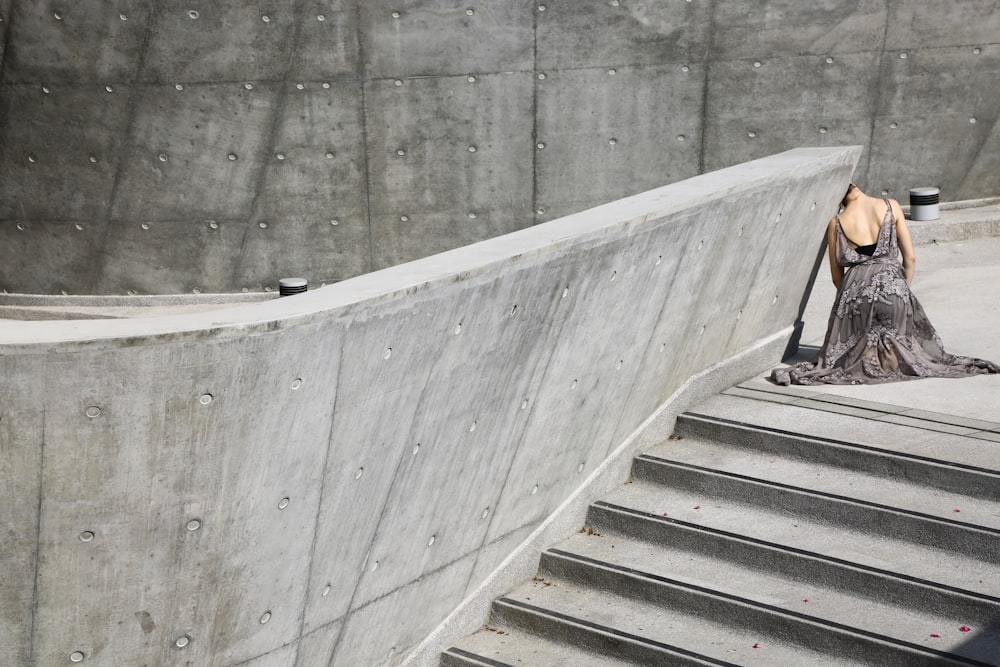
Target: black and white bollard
[
  {"x": 290, "y": 286},
  {"x": 925, "y": 203}
]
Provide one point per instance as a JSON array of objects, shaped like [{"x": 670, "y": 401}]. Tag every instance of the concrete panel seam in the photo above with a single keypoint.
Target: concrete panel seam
[
  {"x": 130, "y": 114},
  {"x": 38, "y": 538},
  {"x": 378, "y": 523}
]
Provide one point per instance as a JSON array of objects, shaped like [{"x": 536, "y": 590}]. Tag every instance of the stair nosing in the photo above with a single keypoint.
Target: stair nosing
[
  {"x": 819, "y": 494},
  {"x": 732, "y": 598},
  {"x": 469, "y": 655},
  {"x": 983, "y": 597},
  {"x": 888, "y": 453},
  {"x": 591, "y": 626}
]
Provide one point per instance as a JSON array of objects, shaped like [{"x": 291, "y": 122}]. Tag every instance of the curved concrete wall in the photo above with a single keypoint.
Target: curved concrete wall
[
  {"x": 324, "y": 477},
  {"x": 166, "y": 147}
]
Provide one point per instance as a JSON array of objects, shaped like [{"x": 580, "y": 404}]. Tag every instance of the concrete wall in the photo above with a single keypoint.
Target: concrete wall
[
  {"x": 326, "y": 476},
  {"x": 118, "y": 121}
]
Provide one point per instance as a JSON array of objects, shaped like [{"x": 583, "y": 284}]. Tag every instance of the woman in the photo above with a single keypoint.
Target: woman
[{"x": 878, "y": 332}]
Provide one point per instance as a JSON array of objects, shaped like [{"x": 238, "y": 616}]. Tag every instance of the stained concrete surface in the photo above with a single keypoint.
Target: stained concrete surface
[{"x": 625, "y": 97}]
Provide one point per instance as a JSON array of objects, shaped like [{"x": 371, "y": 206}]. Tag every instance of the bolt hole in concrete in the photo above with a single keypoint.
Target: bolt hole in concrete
[
  {"x": 87, "y": 536},
  {"x": 192, "y": 14},
  {"x": 205, "y": 399},
  {"x": 359, "y": 473},
  {"x": 472, "y": 427},
  {"x": 283, "y": 503},
  {"x": 430, "y": 542},
  {"x": 77, "y": 656},
  {"x": 326, "y": 590},
  {"x": 265, "y": 618},
  {"x": 534, "y": 489},
  {"x": 416, "y": 448},
  {"x": 193, "y": 525},
  {"x": 93, "y": 411},
  {"x": 182, "y": 641}
]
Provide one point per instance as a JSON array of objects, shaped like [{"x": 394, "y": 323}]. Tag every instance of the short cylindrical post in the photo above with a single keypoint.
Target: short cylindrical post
[
  {"x": 925, "y": 203},
  {"x": 290, "y": 286}
]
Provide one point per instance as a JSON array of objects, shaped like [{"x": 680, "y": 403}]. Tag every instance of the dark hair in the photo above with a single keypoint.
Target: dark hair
[{"x": 843, "y": 201}]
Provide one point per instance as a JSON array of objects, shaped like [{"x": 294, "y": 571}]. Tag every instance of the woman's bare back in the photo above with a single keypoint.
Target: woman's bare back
[{"x": 862, "y": 219}]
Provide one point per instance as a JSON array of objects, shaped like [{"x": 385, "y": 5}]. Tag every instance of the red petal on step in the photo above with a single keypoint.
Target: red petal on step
[
  {"x": 665, "y": 514},
  {"x": 697, "y": 507},
  {"x": 756, "y": 646},
  {"x": 965, "y": 628},
  {"x": 956, "y": 510},
  {"x": 805, "y": 600},
  {"x": 934, "y": 634}
]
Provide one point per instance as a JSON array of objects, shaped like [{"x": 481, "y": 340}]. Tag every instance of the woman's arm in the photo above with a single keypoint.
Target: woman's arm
[
  {"x": 836, "y": 270},
  {"x": 905, "y": 242}
]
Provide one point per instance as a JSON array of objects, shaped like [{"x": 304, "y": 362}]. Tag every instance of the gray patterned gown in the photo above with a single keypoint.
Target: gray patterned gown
[{"x": 878, "y": 332}]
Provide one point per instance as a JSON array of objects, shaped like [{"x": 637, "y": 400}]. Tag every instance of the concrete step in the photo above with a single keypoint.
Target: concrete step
[
  {"x": 886, "y": 509},
  {"x": 687, "y": 545},
  {"x": 917, "y": 619},
  {"x": 888, "y": 466},
  {"x": 512, "y": 647},
  {"x": 761, "y": 533},
  {"x": 656, "y": 632},
  {"x": 774, "y": 526}
]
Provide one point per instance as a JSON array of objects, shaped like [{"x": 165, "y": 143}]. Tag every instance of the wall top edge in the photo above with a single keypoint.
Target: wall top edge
[{"x": 532, "y": 244}]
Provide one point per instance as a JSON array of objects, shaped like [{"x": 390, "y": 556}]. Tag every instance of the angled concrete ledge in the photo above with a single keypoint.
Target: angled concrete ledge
[{"x": 329, "y": 475}]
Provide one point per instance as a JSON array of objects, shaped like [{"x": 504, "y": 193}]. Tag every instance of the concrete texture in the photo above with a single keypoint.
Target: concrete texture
[
  {"x": 324, "y": 477},
  {"x": 623, "y": 97},
  {"x": 742, "y": 540}
]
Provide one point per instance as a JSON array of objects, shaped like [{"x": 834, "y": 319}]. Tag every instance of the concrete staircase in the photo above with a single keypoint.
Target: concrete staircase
[{"x": 775, "y": 528}]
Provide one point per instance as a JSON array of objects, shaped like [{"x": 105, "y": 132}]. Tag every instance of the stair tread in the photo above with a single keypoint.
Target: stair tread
[
  {"x": 514, "y": 646},
  {"x": 777, "y": 591},
  {"x": 922, "y": 562},
  {"x": 869, "y": 487},
  {"x": 907, "y": 440},
  {"x": 670, "y": 626}
]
